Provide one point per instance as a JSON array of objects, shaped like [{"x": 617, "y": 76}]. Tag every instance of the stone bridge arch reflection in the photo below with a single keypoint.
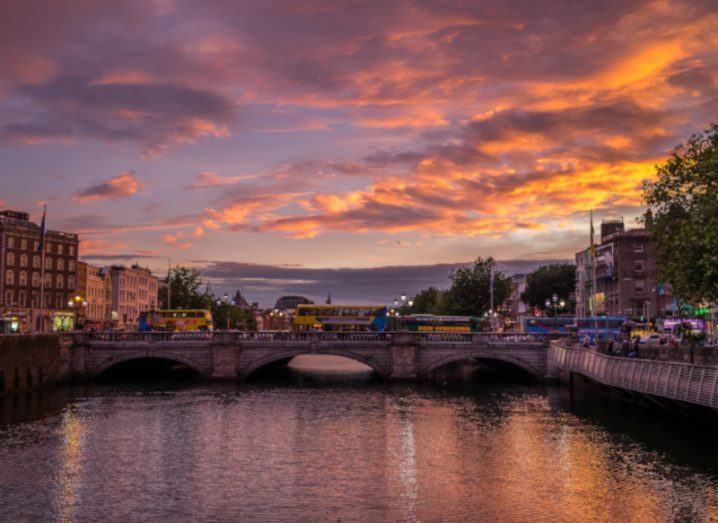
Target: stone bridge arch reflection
[{"x": 469, "y": 364}]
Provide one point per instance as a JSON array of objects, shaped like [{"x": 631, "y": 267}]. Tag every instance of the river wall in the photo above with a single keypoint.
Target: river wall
[{"x": 32, "y": 361}]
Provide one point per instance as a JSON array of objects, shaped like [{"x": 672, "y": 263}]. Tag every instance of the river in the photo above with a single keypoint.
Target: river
[{"x": 333, "y": 446}]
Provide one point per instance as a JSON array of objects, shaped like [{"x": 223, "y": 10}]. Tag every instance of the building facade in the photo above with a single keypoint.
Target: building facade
[
  {"x": 21, "y": 272},
  {"x": 628, "y": 282},
  {"x": 134, "y": 290},
  {"x": 91, "y": 288}
]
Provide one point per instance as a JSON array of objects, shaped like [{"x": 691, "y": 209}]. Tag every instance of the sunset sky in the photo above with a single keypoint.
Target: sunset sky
[{"x": 323, "y": 134}]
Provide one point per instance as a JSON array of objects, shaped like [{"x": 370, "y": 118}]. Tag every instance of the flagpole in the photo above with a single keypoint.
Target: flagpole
[
  {"x": 595, "y": 289},
  {"x": 169, "y": 285},
  {"x": 42, "y": 271}
]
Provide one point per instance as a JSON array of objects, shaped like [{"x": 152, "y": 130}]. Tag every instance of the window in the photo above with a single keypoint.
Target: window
[
  {"x": 71, "y": 265},
  {"x": 23, "y": 260},
  {"x": 10, "y": 242},
  {"x": 48, "y": 281},
  {"x": 60, "y": 248},
  {"x": 9, "y": 277},
  {"x": 60, "y": 264},
  {"x": 23, "y": 244},
  {"x": 639, "y": 286},
  {"x": 71, "y": 250},
  {"x": 35, "y": 279},
  {"x": 9, "y": 297},
  {"x": 11, "y": 259},
  {"x": 60, "y": 282},
  {"x": 35, "y": 262},
  {"x": 637, "y": 247},
  {"x": 22, "y": 278},
  {"x": 71, "y": 282},
  {"x": 22, "y": 299},
  {"x": 48, "y": 263},
  {"x": 36, "y": 245}
]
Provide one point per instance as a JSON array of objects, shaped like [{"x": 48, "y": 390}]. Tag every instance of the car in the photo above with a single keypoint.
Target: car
[{"x": 652, "y": 340}]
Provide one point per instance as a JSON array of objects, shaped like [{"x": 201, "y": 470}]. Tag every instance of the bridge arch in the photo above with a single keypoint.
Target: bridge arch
[
  {"x": 486, "y": 356},
  {"x": 286, "y": 355},
  {"x": 137, "y": 356}
]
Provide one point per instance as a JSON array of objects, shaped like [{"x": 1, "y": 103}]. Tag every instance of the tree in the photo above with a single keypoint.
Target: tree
[
  {"x": 184, "y": 283},
  {"x": 427, "y": 301},
  {"x": 469, "y": 293},
  {"x": 683, "y": 218},
  {"x": 239, "y": 318},
  {"x": 547, "y": 280}
]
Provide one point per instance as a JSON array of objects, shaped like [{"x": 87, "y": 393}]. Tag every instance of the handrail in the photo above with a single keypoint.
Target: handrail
[{"x": 697, "y": 384}]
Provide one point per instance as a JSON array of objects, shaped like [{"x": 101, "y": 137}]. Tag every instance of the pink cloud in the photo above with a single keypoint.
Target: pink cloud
[{"x": 120, "y": 186}]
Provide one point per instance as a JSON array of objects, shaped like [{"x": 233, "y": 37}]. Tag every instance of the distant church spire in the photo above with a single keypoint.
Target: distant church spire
[{"x": 329, "y": 299}]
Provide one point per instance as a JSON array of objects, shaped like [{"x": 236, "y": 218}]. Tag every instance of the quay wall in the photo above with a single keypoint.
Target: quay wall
[{"x": 32, "y": 361}]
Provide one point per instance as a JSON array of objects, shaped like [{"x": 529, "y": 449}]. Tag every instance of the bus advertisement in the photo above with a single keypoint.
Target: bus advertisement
[
  {"x": 431, "y": 323},
  {"x": 547, "y": 325},
  {"x": 311, "y": 317},
  {"x": 608, "y": 327}
]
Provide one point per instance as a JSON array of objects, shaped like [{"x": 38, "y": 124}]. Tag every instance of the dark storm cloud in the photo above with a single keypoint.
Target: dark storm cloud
[
  {"x": 154, "y": 115},
  {"x": 265, "y": 283}
]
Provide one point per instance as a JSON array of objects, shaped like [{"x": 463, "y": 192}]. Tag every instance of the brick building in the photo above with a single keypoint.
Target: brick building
[
  {"x": 627, "y": 279},
  {"x": 134, "y": 290},
  {"x": 21, "y": 269}
]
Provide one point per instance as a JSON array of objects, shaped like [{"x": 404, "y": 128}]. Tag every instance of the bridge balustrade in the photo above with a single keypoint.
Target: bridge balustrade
[
  {"x": 454, "y": 338},
  {"x": 696, "y": 384}
]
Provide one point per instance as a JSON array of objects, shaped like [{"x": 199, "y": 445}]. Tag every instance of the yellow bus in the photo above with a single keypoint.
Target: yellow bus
[
  {"x": 340, "y": 318},
  {"x": 177, "y": 320}
]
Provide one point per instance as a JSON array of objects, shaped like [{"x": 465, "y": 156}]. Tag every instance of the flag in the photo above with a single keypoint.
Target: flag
[
  {"x": 42, "y": 230},
  {"x": 591, "y": 248}
]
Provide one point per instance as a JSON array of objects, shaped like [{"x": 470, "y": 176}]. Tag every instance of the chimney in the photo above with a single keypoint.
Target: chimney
[{"x": 611, "y": 226}]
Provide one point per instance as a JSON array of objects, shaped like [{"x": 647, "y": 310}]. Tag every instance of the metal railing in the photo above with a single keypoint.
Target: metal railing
[{"x": 697, "y": 384}]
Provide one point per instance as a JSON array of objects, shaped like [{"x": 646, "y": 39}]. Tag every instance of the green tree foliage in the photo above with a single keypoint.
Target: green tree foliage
[
  {"x": 469, "y": 292},
  {"x": 428, "y": 301},
  {"x": 547, "y": 280},
  {"x": 239, "y": 319},
  {"x": 683, "y": 217},
  {"x": 185, "y": 284}
]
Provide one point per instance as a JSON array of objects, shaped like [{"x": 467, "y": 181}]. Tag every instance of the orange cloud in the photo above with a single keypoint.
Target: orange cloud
[{"x": 122, "y": 185}]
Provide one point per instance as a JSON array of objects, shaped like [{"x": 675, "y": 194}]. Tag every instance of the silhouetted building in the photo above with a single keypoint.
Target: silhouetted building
[{"x": 291, "y": 302}]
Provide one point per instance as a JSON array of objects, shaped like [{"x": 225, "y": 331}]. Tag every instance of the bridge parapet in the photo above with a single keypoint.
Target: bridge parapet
[{"x": 697, "y": 384}]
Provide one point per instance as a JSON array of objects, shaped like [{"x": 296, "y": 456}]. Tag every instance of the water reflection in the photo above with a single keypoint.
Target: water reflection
[{"x": 345, "y": 450}]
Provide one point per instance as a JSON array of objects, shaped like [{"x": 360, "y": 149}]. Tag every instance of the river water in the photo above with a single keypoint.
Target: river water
[{"x": 334, "y": 447}]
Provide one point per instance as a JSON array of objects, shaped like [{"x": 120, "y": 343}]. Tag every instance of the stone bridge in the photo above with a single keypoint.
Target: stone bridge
[{"x": 235, "y": 355}]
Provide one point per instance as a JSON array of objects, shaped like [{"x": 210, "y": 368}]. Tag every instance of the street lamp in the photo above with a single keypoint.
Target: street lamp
[
  {"x": 555, "y": 304},
  {"x": 75, "y": 304}
]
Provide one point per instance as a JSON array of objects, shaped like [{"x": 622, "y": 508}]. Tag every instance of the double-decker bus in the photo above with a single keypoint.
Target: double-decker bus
[
  {"x": 431, "y": 323},
  {"x": 340, "y": 318},
  {"x": 177, "y": 320},
  {"x": 535, "y": 325},
  {"x": 608, "y": 327}
]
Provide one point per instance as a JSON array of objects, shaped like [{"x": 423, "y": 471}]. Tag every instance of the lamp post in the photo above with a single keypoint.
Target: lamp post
[
  {"x": 225, "y": 301},
  {"x": 555, "y": 304},
  {"x": 75, "y": 304}
]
